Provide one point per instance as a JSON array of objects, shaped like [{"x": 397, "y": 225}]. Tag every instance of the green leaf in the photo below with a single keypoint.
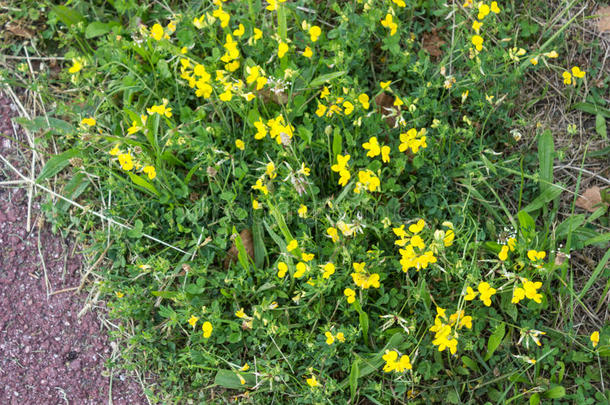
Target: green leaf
[
  {"x": 526, "y": 222},
  {"x": 229, "y": 379},
  {"x": 260, "y": 251},
  {"x": 599, "y": 239},
  {"x": 600, "y": 126},
  {"x": 470, "y": 363},
  {"x": 596, "y": 273},
  {"x": 68, "y": 15},
  {"x": 56, "y": 164},
  {"x": 242, "y": 256},
  {"x": 535, "y": 399},
  {"x": 546, "y": 152},
  {"x": 136, "y": 231},
  {"x": 143, "y": 184},
  {"x": 320, "y": 80},
  {"x": 75, "y": 187},
  {"x": 97, "y": 28},
  {"x": 353, "y": 378},
  {"x": 556, "y": 392},
  {"x": 592, "y": 109},
  {"x": 364, "y": 324},
  {"x": 494, "y": 340},
  {"x": 544, "y": 198},
  {"x": 337, "y": 143}
]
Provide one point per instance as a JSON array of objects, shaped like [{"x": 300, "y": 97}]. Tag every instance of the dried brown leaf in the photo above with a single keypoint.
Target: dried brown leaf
[
  {"x": 385, "y": 106},
  {"x": 18, "y": 31},
  {"x": 248, "y": 242},
  {"x": 590, "y": 199},
  {"x": 603, "y": 23},
  {"x": 432, "y": 44}
]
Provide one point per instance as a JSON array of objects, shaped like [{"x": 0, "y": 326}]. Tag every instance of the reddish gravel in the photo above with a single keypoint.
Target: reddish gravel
[{"x": 47, "y": 354}]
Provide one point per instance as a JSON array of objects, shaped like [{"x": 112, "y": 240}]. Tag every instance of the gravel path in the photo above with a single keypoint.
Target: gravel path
[{"x": 47, "y": 354}]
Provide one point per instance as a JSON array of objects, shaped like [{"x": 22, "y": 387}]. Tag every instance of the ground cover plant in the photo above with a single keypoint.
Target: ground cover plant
[{"x": 328, "y": 202}]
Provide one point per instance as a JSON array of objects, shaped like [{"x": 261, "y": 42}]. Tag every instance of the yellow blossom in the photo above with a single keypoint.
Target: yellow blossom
[
  {"x": 312, "y": 382},
  {"x": 207, "y": 329},
  {"x": 308, "y": 53},
  {"x": 240, "y": 313},
  {"x": 282, "y": 49},
  {"x": 302, "y": 211},
  {"x": 385, "y": 85},
  {"x": 76, "y": 66},
  {"x": 255, "y": 204},
  {"x": 156, "y": 32},
  {"x": 595, "y": 338},
  {"x": 390, "y": 24},
  {"x": 239, "y": 144},
  {"x": 301, "y": 269},
  {"x": 503, "y": 255},
  {"x": 282, "y": 269},
  {"x": 486, "y": 292},
  {"x": 470, "y": 294},
  {"x": 494, "y": 7},
  {"x": 477, "y": 41},
  {"x": 314, "y": 33},
  {"x": 150, "y": 172},
  {"x": 350, "y": 294},
  {"x": 332, "y": 232},
  {"x": 576, "y": 72},
  {"x": 330, "y": 339},
  {"x": 567, "y": 77},
  {"x": 88, "y": 121},
  {"x": 329, "y": 270},
  {"x": 293, "y": 244},
  {"x": 364, "y": 100}
]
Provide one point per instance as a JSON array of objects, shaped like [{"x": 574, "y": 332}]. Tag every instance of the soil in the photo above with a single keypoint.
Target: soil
[{"x": 47, "y": 354}]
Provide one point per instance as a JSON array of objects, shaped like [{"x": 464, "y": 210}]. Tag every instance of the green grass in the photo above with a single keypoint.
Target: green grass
[{"x": 488, "y": 202}]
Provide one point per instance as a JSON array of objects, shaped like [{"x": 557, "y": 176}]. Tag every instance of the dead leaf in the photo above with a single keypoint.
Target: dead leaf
[
  {"x": 18, "y": 31},
  {"x": 432, "y": 44},
  {"x": 232, "y": 253},
  {"x": 385, "y": 106},
  {"x": 603, "y": 23},
  {"x": 590, "y": 199}
]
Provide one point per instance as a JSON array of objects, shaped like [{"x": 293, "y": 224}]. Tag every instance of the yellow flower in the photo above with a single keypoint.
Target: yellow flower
[
  {"x": 270, "y": 170},
  {"x": 157, "y": 32},
  {"x": 332, "y": 232},
  {"x": 417, "y": 227},
  {"x": 126, "y": 161},
  {"x": 330, "y": 339},
  {"x": 494, "y": 7},
  {"x": 385, "y": 153},
  {"x": 259, "y": 186},
  {"x": 308, "y": 53},
  {"x": 115, "y": 150},
  {"x": 240, "y": 314},
  {"x": 350, "y": 294},
  {"x": 301, "y": 269},
  {"x": 293, "y": 244},
  {"x": 119, "y": 294},
  {"x": 483, "y": 11},
  {"x": 256, "y": 205},
  {"x": 76, "y": 66},
  {"x": 364, "y": 100},
  {"x": 160, "y": 109},
  {"x": 150, "y": 172},
  {"x": 399, "y": 3},
  {"x": 530, "y": 290},
  {"x": 240, "y": 144},
  {"x": 329, "y": 270},
  {"x": 486, "y": 292},
  {"x": 340, "y": 337},
  {"x": 312, "y": 382},
  {"x": 348, "y": 108},
  {"x": 476, "y": 26},
  {"x": 534, "y": 255},
  {"x": 282, "y": 269},
  {"x": 595, "y": 338},
  {"x": 552, "y": 54},
  {"x": 449, "y": 237},
  {"x": 470, "y": 294},
  {"x": 385, "y": 85},
  {"x": 390, "y": 24},
  {"x": 576, "y": 72},
  {"x": 534, "y": 61},
  {"x": 567, "y": 77},
  {"x": 246, "y": 367},
  {"x": 307, "y": 257},
  {"x": 239, "y": 31},
  {"x": 193, "y": 320},
  {"x": 324, "y": 93},
  {"x": 207, "y": 329},
  {"x": 321, "y": 110},
  {"x": 314, "y": 33},
  {"x": 282, "y": 49},
  {"x": 518, "y": 295},
  {"x": 258, "y": 34},
  {"x": 88, "y": 121},
  {"x": 302, "y": 211},
  {"x": 372, "y": 146},
  {"x": 503, "y": 255},
  {"x": 477, "y": 41}
]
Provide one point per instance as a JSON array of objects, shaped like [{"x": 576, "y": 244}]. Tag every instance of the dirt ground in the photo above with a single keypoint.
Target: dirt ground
[{"x": 48, "y": 355}]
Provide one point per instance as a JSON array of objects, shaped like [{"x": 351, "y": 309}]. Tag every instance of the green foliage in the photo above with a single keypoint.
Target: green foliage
[{"x": 403, "y": 272}]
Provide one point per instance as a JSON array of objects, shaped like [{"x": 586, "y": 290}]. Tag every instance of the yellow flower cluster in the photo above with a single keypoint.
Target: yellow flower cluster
[
  {"x": 486, "y": 291},
  {"x": 160, "y": 109},
  {"x": 341, "y": 167},
  {"x": 388, "y": 22},
  {"x": 362, "y": 278},
  {"x": 576, "y": 73},
  {"x": 529, "y": 290},
  {"x": 330, "y": 338},
  {"x": 413, "y": 140},
  {"x": 277, "y": 129},
  {"x": 410, "y": 257},
  {"x": 392, "y": 363},
  {"x": 484, "y": 11},
  {"x": 367, "y": 180},
  {"x": 127, "y": 162},
  {"x": 445, "y": 330}
]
